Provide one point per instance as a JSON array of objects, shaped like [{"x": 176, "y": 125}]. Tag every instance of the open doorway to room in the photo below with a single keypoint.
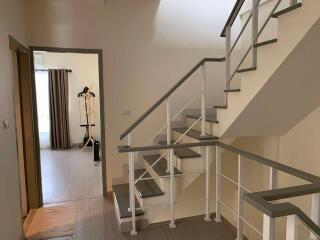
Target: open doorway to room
[{"x": 70, "y": 123}]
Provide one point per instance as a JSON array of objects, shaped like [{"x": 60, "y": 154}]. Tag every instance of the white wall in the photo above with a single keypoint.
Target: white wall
[
  {"x": 145, "y": 52},
  {"x": 85, "y": 72},
  {"x": 11, "y": 22}
]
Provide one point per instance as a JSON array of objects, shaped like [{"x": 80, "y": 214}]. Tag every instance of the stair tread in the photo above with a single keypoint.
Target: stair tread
[
  {"x": 260, "y": 44},
  {"x": 286, "y": 10},
  {"x": 183, "y": 153},
  {"x": 221, "y": 107},
  {"x": 148, "y": 188},
  {"x": 161, "y": 167},
  {"x": 246, "y": 69},
  {"x": 209, "y": 117},
  {"x": 121, "y": 192},
  {"x": 194, "y": 133},
  {"x": 233, "y": 90},
  {"x": 139, "y": 172}
]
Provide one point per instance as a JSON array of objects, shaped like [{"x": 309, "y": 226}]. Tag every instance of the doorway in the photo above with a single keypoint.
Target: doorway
[{"x": 69, "y": 123}]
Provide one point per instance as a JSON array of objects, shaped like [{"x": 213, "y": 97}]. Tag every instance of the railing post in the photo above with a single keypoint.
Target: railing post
[
  {"x": 203, "y": 101},
  {"x": 292, "y": 227},
  {"x": 218, "y": 184},
  {"x": 172, "y": 190},
  {"x": 208, "y": 180},
  {"x": 168, "y": 133},
  {"x": 255, "y": 29},
  {"x": 228, "y": 56},
  {"x": 269, "y": 223},
  {"x": 131, "y": 188},
  {"x": 130, "y": 171},
  {"x": 240, "y": 200},
  {"x": 315, "y": 212}
]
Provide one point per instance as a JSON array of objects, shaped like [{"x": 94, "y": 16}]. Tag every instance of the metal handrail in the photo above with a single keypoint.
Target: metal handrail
[
  {"x": 169, "y": 92},
  {"x": 261, "y": 200},
  {"x": 232, "y": 17}
]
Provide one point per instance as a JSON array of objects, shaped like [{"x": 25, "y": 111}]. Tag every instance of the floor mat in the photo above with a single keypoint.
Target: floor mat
[{"x": 52, "y": 222}]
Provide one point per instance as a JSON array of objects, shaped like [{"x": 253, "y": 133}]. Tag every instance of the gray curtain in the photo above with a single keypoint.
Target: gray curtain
[{"x": 59, "y": 109}]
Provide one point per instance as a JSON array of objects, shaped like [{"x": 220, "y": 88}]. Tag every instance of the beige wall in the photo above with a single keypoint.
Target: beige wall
[
  {"x": 11, "y": 22},
  {"x": 145, "y": 51},
  {"x": 85, "y": 72}
]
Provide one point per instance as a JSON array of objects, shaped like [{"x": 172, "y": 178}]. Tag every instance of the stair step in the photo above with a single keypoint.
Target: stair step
[
  {"x": 246, "y": 69},
  {"x": 194, "y": 134},
  {"x": 209, "y": 117},
  {"x": 220, "y": 107},
  {"x": 161, "y": 167},
  {"x": 139, "y": 172},
  {"x": 232, "y": 90},
  {"x": 260, "y": 44},
  {"x": 183, "y": 153},
  {"x": 286, "y": 10},
  {"x": 121, "y": 193},
  {"x": 148, "y": 188}
]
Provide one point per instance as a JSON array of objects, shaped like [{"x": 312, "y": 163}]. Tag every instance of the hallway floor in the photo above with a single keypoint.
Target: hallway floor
[
  {"x": 96, "y": 220},
  {"x": 69, "y": 175}
]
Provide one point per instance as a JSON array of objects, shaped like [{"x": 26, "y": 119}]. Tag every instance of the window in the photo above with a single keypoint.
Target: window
[{"x": 42, "y": 89}]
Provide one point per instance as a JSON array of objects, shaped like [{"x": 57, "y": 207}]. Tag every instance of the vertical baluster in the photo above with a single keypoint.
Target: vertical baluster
[
  {"x": 172, "y": 190},
  {"x": 218, "y": 184},
  {"x": 228, "y": 57},
  {"x": 131, "y": 189},
  {"x": 208, "y": 180},
  {"x": 240, "y": 200},
  {"x": 292, "y": 227},
  {"x": 269, "y": 223},
  {"x": 129, "y": 166},
  {"x": 255, "y": 29},
  {"x": 168, "y": 133},
  {"x": 203, "y": 101},
  {"x": 315, "y": 212}
]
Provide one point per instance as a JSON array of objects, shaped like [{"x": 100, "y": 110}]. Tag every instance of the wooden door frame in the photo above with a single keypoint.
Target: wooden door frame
[
  {"x": 102, "y": 109},
  {"x": 32, "y": 180}
]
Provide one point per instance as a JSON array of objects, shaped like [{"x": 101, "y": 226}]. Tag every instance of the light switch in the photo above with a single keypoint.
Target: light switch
[
  {"x": 126, "y": 112},
  {"x": 5, "y": 124}
]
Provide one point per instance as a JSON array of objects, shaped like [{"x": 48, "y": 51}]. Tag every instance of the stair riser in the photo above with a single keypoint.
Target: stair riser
[
  {"x": 163, "y": 182},
  {"x": 187, "y": 139},
  {"x": 208, "y": 125},
  {"x": 125, "y": 224}
]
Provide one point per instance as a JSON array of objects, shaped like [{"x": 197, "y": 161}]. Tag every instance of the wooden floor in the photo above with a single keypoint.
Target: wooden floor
[
  {"x": 96, "y": 220},
  {"x": 69, "y": 175}
]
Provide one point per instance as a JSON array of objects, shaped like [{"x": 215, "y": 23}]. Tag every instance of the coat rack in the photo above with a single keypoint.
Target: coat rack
[{"x": 89, "y": 113}]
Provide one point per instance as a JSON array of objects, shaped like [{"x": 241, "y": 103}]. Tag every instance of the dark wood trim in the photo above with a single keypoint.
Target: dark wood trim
[
  {"x": 168, "y": 93},
  {"x": 17, "y": 46},
  {"x": 32, "y": 180},
  {"x": 36, "y": 127},
  {"x": 102, "y": 106}
]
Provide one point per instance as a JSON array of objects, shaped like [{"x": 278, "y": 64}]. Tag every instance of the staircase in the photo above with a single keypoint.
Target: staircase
[{"x": 181, "y": 153}]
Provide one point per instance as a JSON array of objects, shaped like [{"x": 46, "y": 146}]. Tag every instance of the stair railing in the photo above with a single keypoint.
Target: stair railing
[
  {"x": 265, "y": 201},
  {"x": 170, "y": 159},
  {"x": 255, "y": 34}
]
